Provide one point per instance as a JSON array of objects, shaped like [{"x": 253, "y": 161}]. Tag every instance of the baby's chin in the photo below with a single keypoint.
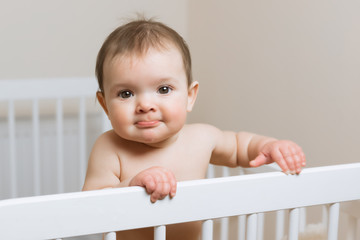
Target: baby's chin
[
  {"x": 158, "y": 141},
  {"x": 154, "y": 137}
]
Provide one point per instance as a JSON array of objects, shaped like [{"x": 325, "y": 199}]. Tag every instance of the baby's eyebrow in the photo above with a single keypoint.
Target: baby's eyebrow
[
  {"x": 119, "y": 86},
  {"x": 167, "y": 80}
]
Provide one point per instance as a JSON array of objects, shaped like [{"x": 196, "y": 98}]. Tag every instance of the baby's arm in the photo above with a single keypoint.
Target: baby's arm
[
  {"x": 255, "y": 150},
  {"x": 103, "y": 169},
  {"x": 251, "y": 150},
  {"x": 104, "y": 172}
]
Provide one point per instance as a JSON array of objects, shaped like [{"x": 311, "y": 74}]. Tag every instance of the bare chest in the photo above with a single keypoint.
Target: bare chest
[{"x": 187, "y": 163}]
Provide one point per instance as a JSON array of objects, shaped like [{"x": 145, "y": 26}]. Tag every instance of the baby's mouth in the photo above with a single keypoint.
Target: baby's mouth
[{"x": 147, "y": 124}]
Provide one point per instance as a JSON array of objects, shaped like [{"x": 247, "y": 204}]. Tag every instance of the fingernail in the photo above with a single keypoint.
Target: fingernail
[{"x": 287, "y": 172}]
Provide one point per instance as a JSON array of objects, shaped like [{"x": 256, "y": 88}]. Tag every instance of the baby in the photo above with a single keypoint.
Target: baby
[{"x": 146, "y": 90}]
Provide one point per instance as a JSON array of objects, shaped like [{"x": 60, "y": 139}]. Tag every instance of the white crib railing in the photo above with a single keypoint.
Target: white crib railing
[
  {"x": 28, "y": 101},
  {"x": 107, "y": 211}
]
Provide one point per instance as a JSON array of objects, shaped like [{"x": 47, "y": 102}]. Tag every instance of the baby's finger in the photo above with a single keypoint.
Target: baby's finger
[
  {"x": 172, "y": 182},
  {"x": 149, "y": 183},
  {"x": 277, "y": 156},
  {"x": 260, "y": 160},
  {"x": 288, "y": 157},
  {"x": 162, "y": 190},
  {"x": 297, "y": 157}
]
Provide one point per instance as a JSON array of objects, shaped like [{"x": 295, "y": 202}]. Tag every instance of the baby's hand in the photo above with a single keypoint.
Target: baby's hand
[
  {"x": 287, "y": 154},
  {"x": 157, "y": 181}
]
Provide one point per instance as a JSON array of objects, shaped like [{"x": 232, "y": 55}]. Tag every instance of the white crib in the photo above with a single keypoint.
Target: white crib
[
  {"x": 47, "y": 127},
  {"x": 72, "y": 121},
  {"x": 107, "y": 211}
]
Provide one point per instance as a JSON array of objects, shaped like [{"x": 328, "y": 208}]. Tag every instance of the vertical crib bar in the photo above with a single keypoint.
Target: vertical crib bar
[
  {"x": 224, "y": 222},
  {"x": 12, "y": 143},
  {"x": 82, "y": 140},
  {"x": 160, "y": 233},
  {"x": 325, "y": 215},
  {"x": 36, "y": 148},
  {"x": 280, "y": 222},
  {"x": 294, "y": 224},
  {"x": 260, "y": 226},
  {"x": 210, "y": 171},
  {"x": 241, "y": 171},
  {"x": 302, "y": 223},
  {"x": 207, "y": 230},
  {"x": 333, "y": 221},
  {"x": 60, "y": 137},
  {"x": 110, "y": 236},
  {"x": 241, "y": 227},
  {"x": 251, "y": 227},
  {"x": 224, "y": 228}
]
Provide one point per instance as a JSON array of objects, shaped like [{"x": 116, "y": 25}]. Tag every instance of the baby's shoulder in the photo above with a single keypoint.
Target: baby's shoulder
[
  {"x": 200, "y": 127},
  {"x": 107, "y": 140},
  {"x": 202, "y": 130}
]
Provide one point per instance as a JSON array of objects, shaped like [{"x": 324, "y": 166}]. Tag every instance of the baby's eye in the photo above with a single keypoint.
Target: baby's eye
[
  {"x": 125, "y": 94},
  {"x": 164, "y": 90}
]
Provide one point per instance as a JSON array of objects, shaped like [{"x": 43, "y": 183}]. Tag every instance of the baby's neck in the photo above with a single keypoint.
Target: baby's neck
[{"x": 164, "y": 143}]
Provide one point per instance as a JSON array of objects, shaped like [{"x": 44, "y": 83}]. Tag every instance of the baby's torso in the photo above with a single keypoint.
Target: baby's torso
[{"x": 188, "y": 159}]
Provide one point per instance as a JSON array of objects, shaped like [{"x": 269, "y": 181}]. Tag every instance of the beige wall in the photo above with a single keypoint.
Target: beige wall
[
  {"x": 41, "y": 38},
  {"x": 289, "y": 69},
  {"x": 281, "y": 68}
]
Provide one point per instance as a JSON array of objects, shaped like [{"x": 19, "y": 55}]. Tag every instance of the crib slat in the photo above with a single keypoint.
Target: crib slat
[
  {"x": 82, "y": 140},
  {"x": 251, "y": 227},
  {"x": 325, "y": 215},
  {"x": 12, "y": 148},
  {"x": 110, "y": 236},
  {"x": 225, "y": 172},
  {"x": 224, "y": 222},
  {"x": 160, "y": 233},
  {"x": 36, "y": 146},
  {"x": 294, "y": 223},
  {"x": 333, "y": 221},
  {"x": 280, "y": 222},
  {"x": 241, "y": 227},
  {"x": 260, "y": 226},
  {"x": 302, "y": 223},
  {"x": 60, "y": 137},
  {"x": 207, "y": 230},
  {"x": 210, "y": 171},
  {"x": 224, "y": 228}
]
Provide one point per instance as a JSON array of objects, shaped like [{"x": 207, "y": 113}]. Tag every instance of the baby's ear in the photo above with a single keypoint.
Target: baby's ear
[
  {"x": 192, "y": 94},
  {"x": 101, "y": 98}
]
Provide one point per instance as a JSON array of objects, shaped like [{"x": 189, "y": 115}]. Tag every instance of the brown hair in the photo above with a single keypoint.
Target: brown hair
[{"x": 136, "y": 37}]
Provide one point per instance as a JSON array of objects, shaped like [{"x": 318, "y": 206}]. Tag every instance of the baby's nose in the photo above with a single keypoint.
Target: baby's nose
[{"x": 145, "y": 104}]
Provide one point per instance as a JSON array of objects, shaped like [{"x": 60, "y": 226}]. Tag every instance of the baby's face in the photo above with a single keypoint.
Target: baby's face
[{"x": 147, "y": 97}]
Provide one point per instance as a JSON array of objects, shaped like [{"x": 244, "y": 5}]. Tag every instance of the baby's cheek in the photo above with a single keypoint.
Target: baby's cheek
[{"x": 177, "y": 111}]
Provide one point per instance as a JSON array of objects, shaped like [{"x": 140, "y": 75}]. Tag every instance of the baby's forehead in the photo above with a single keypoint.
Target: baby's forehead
[{"x": 131, "y": 56}]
